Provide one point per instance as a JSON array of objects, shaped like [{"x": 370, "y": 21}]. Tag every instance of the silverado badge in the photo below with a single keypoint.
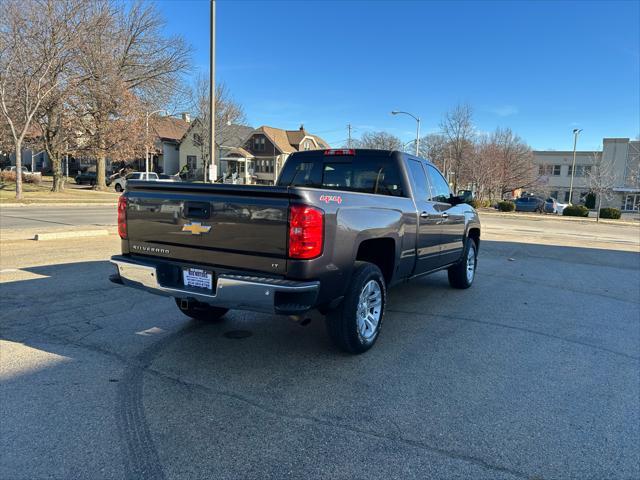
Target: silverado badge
[{"x": 196, "y": 228}]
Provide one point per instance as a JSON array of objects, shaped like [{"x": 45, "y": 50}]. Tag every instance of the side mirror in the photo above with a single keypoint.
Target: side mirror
[{"x": 456, "y": 199}]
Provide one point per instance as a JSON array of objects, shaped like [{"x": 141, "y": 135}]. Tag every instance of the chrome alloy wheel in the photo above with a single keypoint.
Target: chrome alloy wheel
[
  {"x": 471, "y": 263},
  {"x": 369, "y": 310}
]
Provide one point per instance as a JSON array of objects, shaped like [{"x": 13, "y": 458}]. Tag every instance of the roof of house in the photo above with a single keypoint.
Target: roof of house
[
  {"x": 169, "y": 128},
  {"x": 232, "y": 135},
  {"x": 288, "y": 141}
]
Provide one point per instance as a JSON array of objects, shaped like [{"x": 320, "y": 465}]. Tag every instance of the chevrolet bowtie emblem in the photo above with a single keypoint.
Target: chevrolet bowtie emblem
[{"x": 196, "y": 228}]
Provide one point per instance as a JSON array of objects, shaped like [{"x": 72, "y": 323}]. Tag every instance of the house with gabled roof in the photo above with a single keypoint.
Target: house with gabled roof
[
  {"x": 270, "y": 147},
  {"x": 228, "y": 148},
  {"x": 167, "y": 133}
]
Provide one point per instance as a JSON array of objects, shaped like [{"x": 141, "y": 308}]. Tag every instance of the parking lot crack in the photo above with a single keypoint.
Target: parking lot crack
[
  {"x": 452, "y": 454},
  {"x": 521, "y": 329}
]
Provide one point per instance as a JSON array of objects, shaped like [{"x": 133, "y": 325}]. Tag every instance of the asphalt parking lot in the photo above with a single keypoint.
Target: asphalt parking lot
[{"x": 533, "y": 373}]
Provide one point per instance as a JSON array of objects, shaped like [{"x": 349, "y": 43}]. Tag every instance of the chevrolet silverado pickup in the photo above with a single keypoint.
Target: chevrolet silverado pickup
[{"x": 337, "y": 230}]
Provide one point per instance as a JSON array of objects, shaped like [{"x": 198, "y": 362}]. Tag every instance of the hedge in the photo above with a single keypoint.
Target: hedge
[
  {"x": 610, "y": 213},
  {"x": 475, "y": 203},
  {"x": 10, "y": 176},
  {"x": 575, "y": 211},
  {"x": 506, "y": 206}
]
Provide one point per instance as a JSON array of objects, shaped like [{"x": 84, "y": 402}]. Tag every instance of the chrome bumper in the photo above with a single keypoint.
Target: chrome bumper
[{"x": 260, "y": 294}]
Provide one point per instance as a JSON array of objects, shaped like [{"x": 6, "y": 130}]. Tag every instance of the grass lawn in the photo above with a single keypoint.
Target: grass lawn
[{"x": 32, "y": 193}]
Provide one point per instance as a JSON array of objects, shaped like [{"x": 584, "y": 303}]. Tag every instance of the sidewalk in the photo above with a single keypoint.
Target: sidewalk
[
  {"x": 634, "y": 221},
  {"x": 52, "y": 233}
]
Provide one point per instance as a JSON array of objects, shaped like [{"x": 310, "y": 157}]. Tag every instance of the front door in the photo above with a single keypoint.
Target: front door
[{"x": 429, "y": 221}]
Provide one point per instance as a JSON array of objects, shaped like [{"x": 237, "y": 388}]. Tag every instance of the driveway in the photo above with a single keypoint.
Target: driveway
[{"x": 534, "y": 372}]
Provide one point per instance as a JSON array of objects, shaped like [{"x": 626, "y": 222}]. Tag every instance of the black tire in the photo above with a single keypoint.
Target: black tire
[
  {"x": 458, "y": 277},
  {"x": 118, "y": 187},
  {"x": 202, "y": 311},
  {"x": 342, "y": 322}
]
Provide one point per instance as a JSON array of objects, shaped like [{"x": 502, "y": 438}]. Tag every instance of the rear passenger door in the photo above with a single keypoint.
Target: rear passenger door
[
  {"x": 451, "y": 217},
  {"x": 429, "y": 221}
]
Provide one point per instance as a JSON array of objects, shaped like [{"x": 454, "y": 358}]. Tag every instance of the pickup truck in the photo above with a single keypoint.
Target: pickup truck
[{"x": 337, "y": 230}]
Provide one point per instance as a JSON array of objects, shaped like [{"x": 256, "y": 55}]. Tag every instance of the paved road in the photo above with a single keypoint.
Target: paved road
[
  {"x": 34, "y": 216},
  {"x": 532, "y": 373}
]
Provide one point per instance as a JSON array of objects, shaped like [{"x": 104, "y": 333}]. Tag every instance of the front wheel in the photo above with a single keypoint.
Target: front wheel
[
  {"x": 354, "y": 325},
  {"x": 201, "y": 311},
  {"x": 461, "y": 275}
]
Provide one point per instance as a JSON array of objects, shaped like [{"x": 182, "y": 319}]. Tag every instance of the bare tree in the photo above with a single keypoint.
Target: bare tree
[
  {"x": 601, "y": 180},
  {"x": 458, "y": 130},
  {"x": 480, "y": 169},
  {"x": 379, "y": 141},
  {"x": 228, "y": 112},
  {"x": 127, "y": 63},
  {"x": 514, "y": 167},
  {"x": 36, "y": 40},
  {"x": 435, "y": 148}
]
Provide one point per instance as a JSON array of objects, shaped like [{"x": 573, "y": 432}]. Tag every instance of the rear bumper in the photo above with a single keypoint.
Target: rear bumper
[{"x": 240, "y": 292}]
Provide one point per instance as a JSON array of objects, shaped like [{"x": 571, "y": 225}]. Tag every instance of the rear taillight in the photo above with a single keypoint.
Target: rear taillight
[
  {"x": 122, "y": 217},
  {"x": 306, "y": 231},
  {"x": 340, "y": 151}
]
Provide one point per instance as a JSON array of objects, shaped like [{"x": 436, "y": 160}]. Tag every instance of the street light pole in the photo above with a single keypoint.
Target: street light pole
[
  {"x": 146, "y": 139},
  {"x": 576, "y": 132},
  {"x": 417, "y": 119},
  {"x": 212, "y": 90}
]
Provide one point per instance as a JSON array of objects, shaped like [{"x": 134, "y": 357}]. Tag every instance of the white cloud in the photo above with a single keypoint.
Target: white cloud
[{"x": 505, "y": 110}]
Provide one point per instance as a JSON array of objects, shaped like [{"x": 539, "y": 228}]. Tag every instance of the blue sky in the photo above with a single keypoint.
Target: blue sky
[{"x": 541, "y": 68}]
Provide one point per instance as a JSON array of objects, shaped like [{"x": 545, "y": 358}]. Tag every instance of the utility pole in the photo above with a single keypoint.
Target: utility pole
[
  {"x": 349, "y": 141},
  {"x": 212, "y": 89},
  {"x": 576, "y": 132}
]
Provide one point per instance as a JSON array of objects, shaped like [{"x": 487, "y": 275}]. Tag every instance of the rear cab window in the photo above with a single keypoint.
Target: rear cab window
[{"x": 365, "y": 172}]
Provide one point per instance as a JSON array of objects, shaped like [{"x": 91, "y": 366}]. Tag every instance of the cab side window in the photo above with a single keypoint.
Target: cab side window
[
  {"x": 419, "y": 180},
  {"x": 440, "y": 191}
]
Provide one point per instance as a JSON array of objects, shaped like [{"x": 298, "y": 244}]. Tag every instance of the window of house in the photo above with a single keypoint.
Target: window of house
[
  {"x": 440, "y": 191},
  {"x": 554, "y": 194},
  {"x": 566, "y": 196},
  {"x": 580, "y": 170},
  {"x": 192, "y": 162},
  {"x": 259, "y": 143},
  {"x": 197, "y": 139},
  {"x": 549, "y": 170}
]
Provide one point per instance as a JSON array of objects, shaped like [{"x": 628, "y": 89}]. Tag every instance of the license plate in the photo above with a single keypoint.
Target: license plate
[{"x": 195, "y": 277}]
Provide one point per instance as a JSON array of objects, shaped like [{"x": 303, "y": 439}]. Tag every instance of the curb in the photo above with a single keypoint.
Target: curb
[
  {"x": 559, "y": 218},
  {"x": 72, "y": 234},
  {"x": 61, "y": 204}
]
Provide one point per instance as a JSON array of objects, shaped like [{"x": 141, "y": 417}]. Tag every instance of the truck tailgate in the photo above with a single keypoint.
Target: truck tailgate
[{"x": 243, "y": 227}]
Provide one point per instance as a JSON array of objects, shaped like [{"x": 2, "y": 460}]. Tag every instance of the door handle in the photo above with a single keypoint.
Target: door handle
[
  {"x": 424, "y": 215},
  {"x": 445, "y": 215}
]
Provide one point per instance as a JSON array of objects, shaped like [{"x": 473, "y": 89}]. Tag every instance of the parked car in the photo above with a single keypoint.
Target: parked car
[
  {"x": 529, "y": 204},
  {"x": 163, "y": 177},
  {"x": 552, "y": 205},
  {"x": 338, "y": 229},
  {"x": 120, "y": 183},
  {"x": 89, "y": 178},
  {"x": 13, "y": 169},
  {"x": 25, "y": 170}
]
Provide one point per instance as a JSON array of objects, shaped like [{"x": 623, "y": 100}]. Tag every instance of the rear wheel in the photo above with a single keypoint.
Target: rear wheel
[
  {"x": 461, "y": 275},
  {"x": 355, "y": 324},
  {"x": 201, "y": 311}
]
